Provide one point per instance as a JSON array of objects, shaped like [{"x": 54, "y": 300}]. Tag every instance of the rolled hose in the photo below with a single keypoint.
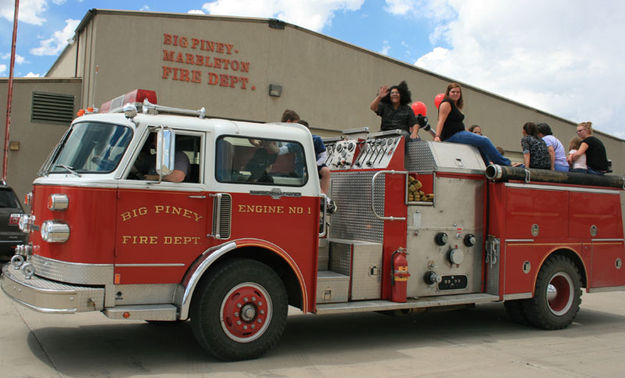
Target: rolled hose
[{"x": 496, "y": 172}]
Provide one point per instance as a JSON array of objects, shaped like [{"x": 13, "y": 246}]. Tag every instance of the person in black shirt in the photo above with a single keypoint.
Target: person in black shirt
[
  {"x": 596, "y": 158},
  {"x": 450, "y": 127},
  {"x": 391, "y": 104}
]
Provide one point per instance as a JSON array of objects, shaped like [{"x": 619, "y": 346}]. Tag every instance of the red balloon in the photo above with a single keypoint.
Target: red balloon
[
  {"x": 438, "y": 99},
  {"x": 419, "y": 108}
]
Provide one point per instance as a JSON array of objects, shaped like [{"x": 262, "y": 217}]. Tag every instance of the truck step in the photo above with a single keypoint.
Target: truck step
[
  {"x": 332, "y": 287},
  {"x": 425, "y": 302},
  {"x": 162, "y": 312}
]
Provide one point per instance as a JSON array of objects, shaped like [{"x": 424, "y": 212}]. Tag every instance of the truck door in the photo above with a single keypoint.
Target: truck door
[
  {"x": 273, "y": 203},
  {"x": 161, "y": 226}
]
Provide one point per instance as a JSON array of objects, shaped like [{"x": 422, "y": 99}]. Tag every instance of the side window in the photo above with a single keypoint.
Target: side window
[
  {"x": 187, "y": 160},
  {"x": 260, "y": 161},
  {"x": 191, "y": 146}
]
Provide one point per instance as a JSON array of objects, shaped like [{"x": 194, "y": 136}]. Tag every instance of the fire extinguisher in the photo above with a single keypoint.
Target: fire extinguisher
[{"x": 400, "y": 276}]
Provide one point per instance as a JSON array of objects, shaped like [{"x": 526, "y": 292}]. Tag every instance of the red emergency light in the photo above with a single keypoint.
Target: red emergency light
[{"x": 134, "y": 97}]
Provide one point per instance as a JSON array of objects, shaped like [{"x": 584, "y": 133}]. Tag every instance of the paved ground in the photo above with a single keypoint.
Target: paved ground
[{"x": 481, "y": 342}]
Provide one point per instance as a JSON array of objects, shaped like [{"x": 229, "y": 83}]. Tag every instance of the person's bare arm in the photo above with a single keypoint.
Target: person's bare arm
[
  {"x": 574, "y": 156},
  {"x": 376, "y": 101},
  {"x": 443, "y": 113},
  {"x": 526, "y": 159},
  {"x": 175, "y": 176},
  {"x": 414, "y": 131}
]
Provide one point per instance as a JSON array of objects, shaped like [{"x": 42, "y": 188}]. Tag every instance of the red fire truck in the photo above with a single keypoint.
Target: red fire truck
[{"x": 419, "y": 225}]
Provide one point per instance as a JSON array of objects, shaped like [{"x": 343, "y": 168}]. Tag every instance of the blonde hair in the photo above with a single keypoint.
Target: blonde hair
[
  {"x": 586, "y": 125},
  {"x": 575, "y": 143}
]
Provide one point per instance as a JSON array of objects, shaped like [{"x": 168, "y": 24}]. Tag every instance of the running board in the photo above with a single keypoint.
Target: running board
[
  {"x": 425, "y": 302},
  {"x": 160, "y": 312}
]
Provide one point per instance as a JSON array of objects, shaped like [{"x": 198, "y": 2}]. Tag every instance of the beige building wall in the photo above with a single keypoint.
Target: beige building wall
[
  {"x": 227, "y": 64},
  {"x": 65, "y": 67},
  {"x": 328, "y": 82},
  {"x": 35, "y": 139}
]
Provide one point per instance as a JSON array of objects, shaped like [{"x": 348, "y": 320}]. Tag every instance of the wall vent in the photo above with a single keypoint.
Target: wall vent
[{"x": 52, "y": 107}]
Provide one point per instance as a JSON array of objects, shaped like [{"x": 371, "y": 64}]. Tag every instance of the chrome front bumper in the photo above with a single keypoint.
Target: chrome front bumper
[{"x": 48, "y": 296}]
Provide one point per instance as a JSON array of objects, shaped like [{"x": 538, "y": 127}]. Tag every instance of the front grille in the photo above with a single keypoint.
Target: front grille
[{"x": 222, "y": 216}]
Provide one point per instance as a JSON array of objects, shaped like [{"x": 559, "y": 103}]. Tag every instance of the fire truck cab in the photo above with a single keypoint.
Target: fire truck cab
[{"x": 245, "y": 233}]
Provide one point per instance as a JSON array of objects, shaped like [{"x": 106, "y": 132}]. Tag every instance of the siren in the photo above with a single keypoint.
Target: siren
[{"x": 134, "y": 97}]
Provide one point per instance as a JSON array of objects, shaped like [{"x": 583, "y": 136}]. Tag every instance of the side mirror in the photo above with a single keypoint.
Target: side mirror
[{"x": 165, "y": 151}]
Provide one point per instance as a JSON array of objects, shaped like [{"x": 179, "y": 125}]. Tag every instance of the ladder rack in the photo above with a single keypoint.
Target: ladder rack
[{"x": 149, "y": 108}]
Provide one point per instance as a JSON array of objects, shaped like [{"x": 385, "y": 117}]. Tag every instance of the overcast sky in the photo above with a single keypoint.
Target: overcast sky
[{"x": 561, "y": 56}]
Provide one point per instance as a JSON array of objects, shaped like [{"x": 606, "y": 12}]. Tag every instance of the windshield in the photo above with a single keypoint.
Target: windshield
[{"x": 91, "y": 147}]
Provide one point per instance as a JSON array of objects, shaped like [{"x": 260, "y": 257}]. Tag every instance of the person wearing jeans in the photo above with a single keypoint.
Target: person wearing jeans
[
  {"x": 450, "y": 127},
  {"x": 484, "y": 145}
]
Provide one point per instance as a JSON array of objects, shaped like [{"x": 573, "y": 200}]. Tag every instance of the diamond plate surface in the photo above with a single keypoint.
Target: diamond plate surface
[
  {"x": 425, "y": 156},
  {"x": 354, "y": 219},
  {"x": 419, "y": 157},
  {"x": 340, "y": 258},
  {"x": 48, "y": 296},
  {"x": 76, "y": 273}
]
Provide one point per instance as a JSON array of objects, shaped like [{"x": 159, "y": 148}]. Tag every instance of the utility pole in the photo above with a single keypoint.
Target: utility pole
[{"x": 10, "y": 95}]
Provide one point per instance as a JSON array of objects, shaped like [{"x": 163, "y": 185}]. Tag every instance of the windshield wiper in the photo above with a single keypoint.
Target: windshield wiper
[{"x": 69, "y": 169}]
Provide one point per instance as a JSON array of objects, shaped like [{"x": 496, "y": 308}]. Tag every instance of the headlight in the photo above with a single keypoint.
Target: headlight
[
  {"x": 54, "y": 232},
  {"x": 26, "y": 222},
  {"x": 58, "y": 202}
]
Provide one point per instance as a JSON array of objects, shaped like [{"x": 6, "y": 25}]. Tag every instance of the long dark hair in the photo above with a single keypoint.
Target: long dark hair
[
  {"x": 531, "y": 129},
  {"x": 404, "y": 94},
  {"x": 460, "y": 102}
]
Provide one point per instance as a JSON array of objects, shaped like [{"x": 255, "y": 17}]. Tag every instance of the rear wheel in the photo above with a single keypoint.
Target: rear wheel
[
  {"x": 557, "y": 297},
  {"x": 240, "y": 311}
]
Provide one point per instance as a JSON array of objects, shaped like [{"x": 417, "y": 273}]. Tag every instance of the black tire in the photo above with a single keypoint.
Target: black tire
[
  {"x": 515, "y": 311},
  {"x": 557, "y": 296},
  {"x": 239, "y": 312}
]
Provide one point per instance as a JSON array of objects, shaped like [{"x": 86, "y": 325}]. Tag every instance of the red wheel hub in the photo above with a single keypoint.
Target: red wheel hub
[
  {"x": 560, "y": 293},
  {"x": 246, "y": 312}
]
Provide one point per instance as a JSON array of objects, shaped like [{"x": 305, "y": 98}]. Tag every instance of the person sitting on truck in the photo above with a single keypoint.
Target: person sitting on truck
[
  {"x": 579, "y": 165},
  {"x": 450, "y": 127},
  {"x": 535, "y": 152},
  {"x": 321, "y": 155},
  {"x": 145, "y": 165},
  {"x": 596, "y": 158},
  {"x": 290, "y": 116},
  {"x": 476, "y": 129},
  {"x": 391, "y": 104},
  {"x": 557, "y": 154}
]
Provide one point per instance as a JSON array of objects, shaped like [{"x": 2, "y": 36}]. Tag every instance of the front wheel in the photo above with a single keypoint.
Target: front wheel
[
  {"x": 240, "y": 311},
  {"x": 557, "y": 296}
]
